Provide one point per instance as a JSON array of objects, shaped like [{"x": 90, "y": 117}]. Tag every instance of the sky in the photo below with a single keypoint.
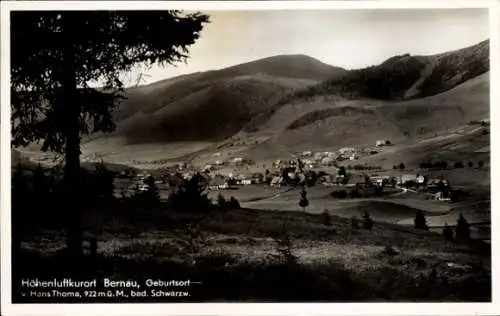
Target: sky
[{"x": 351, "y": 39}]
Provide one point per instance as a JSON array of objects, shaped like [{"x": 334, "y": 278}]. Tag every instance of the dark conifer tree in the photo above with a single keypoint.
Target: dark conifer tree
[
  {"x": 56, "y": 55},
  {"x": 420, "y": 221}
]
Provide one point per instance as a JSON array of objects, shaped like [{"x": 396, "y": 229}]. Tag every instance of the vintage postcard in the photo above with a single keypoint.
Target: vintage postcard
[{"x": 248, "y": 152}]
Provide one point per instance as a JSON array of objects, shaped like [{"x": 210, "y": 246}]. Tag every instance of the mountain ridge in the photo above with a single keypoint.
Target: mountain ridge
[{"x": 256, "y": 100}]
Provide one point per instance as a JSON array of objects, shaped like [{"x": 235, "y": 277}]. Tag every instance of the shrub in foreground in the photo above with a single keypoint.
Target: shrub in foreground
[
  {"x": 420, "y": 221},
  {"x": 367, "y": 221},
  {"x": 327, "y": 219}
]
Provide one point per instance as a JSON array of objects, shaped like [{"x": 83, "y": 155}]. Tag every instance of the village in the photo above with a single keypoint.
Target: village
[{"x": 306, "y": 168}]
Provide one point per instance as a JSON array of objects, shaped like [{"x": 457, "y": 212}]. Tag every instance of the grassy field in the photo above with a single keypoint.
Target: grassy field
[{"x": 241, "y": 250}]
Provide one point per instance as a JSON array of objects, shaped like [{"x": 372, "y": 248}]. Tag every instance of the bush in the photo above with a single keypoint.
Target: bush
[
  {"x": 303, "y": 202},
  {"x": 480, "y": 163},
  {"x": 420, "y": 221},
  {"x": 151, "y": 197},
  {"x": 327, "y": 219},
  {"x": 410, "y": 184},
  {"x": 342, "y": 171},
  {"x": 447, "y": 233},
  {"x": 234, "y": 203},
  {"x": 389, "y": 251},
  {"x": 437, "y": 165},
  {"x": 367, "y": 221},
  {"x": 462, "y": 230},
  {"x": 191, "y": 197},
  {"x": 458, "y": 164},
  {"x": 102, "y": 181},
  {"x": 41, "y": 186},
  {"x": 378, "y": 190},
  {"x": 402, "y": 166},
  {"x": 355, "y": 222},
  {"x": 221, "y": 202},
  {"x": 354, "y": 194},
  {"x": 283, "y": 246},
  {"x": 342, "y": 194},
  {"x": 470, "y": 164}
]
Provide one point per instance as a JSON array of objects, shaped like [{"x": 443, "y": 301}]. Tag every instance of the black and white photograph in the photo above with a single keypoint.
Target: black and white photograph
[{"x": 185, "y": 155}]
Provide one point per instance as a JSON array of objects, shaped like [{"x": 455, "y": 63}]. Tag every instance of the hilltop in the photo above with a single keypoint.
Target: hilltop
[{"x": 216, "y": 104}]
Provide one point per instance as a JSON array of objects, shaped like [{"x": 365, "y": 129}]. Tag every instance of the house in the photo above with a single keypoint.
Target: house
[
  {"x": 208, "y": 167},
  {"x": 346, "y": 150},
  {"x": 216, "y": 154},
  {"x": 402, "y": 179},
  {"x": 380, "y": 180},
  {"x": 257, "y": 178},
  {"x": 380, "y": 143},
  {"x": 327, "y": 180},
  {"x": 441, "y": 196},
  {"x": 174, "y": 180},
  {"x": 420, "y": 179},
  {"x": 142, "y": 187},
  {"x": 218, "y": 183},
  {"x": 245, "y": 182},
  {"x": 219, "y": 162},
  {"x": 306, "y": 154},
  {"x": 301, "y": 177},
  {"x": 353, "y": 157},
  {"x": 436, "y": 182},
  {"x": 355, "y": 181},
  {"x": 276, "y": 181},
  {"x": 238, "y": 161},
  {"x": 327, "y": 161}
]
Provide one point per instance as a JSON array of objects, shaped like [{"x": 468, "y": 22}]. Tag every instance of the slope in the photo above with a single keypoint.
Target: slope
[
  {"x": 398, "y": 78},
  {"x": 330, "y": 125},
  {"x": 215, "y": 104}
]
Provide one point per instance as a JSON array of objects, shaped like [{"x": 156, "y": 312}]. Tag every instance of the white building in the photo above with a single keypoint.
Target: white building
[
  {"x": 402, "y": 179},
  {"x": 420, "y": 179},
  {"x": 208, "y": 167},
  {"x": 380, "y": 143},
  {"x": 327, "y": 160},
  {"x": 238, "y": 160},
  {"x": 218, "y": 183},
  {"x": 439, "y": 196},
  {"x": 346, "y": 150}
]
